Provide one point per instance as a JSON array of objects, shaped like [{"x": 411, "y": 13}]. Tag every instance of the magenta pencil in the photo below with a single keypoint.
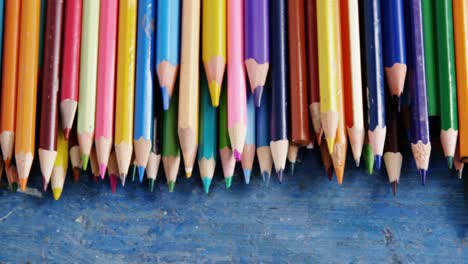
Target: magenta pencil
[
  {"x": 104, "y": 125},
  {"x": 237, "y": 101}
]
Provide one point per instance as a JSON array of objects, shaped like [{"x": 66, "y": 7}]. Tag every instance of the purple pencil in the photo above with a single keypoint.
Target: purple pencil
[
  {"x": 420, "y": 141},
  {"x": 257, "y": 50}
]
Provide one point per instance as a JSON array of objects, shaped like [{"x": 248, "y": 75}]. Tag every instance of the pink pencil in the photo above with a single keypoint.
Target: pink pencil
[
  {"x": 70, "y": 64},
  {"x": 237, "y": 98},
  {"x": 104, "y": 126}
]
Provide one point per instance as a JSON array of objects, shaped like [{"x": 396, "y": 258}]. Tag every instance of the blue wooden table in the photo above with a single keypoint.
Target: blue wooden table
[{"x": 305, "y": 219}]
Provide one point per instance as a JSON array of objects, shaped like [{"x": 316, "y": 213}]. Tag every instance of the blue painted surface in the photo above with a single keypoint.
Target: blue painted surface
[{"x": 304, "y": 220}]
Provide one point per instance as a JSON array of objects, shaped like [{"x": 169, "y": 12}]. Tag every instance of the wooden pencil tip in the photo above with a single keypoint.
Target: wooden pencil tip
[
  {"x": 394, "y": 187},
  {"x": 66, "y": 133}
]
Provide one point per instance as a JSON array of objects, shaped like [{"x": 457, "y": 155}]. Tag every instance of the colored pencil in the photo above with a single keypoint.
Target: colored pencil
[
  {"x": 59, "y": 172},
  {"x": 12, "y": 177},
  {"x": 279, "y": 118},
  {"x": 248, "y": 153},
  {"x": 447, "y": 79},
  {"x": 189, "y": 83},
  {"x": 41, "y": 38},
  {"x": 170, "y": 145},
  {"x": 208, "y": 135},
  {"x": 74, "y": 153},
  {"x": 300, "y": 131},
  {"x": 394, "y": 49},
  {"x": 237, "y": 98},
  {"x": 257, "y": 45},
  {"x": 313, "y": 69},
  {"x": 293, "y": 150},
  {"x": 168, "y": 42},
  {"x": 326, "y": 160},
  {"x": 94, "y": 164},
  {"x": 125, "y": 86},
  {"x": 375, "y": 82},
  {"x": 430, "y": 56},
  {"x": 352, "y": 81},
  {"x": 392, "y": 156},
  {"x": 155, "y": 155},
  {"x": 105, "y": 86},
  {"x": 144, "y": 86},
  {"x": 88, "y": 77},
  {"x": 214, "y": 45},
  {"x": 460, "y": 26},
  {"x": 70, "y": 64},
  {"x": 224, "y": 143},
  {"x": 420, "y": 142},
  {"x": 9, "y": 79},
  {"x": 50, "y": 87},
  {"x": 113, "y": 171},
  {"x": 262, "y": 136},
  {"x": 27, "y": 89},
  {"x": 328, "y": 48}
]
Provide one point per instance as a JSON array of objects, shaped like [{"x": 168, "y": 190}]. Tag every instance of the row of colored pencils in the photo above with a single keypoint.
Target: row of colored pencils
[{"x": 298, "y": 73}]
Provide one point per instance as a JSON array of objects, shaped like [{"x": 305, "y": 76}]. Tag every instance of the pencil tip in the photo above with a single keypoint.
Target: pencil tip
[
  {"x": 460, "y": 174},
  {"x": 76, "y": 174},
  {"x": 378, "y": 161},
  {"x": 247, "y": 174},
  {"x": 133, "y": 170},
  {"x": 450, "y": 162},
  {"x": 237, "y": 155},
  {"x": 280, "y": 175},
  {"x": 357, "y": 163},
  {"x": 423, "y": 174},
  {"x": 57, "y": 192},
  {"x": 66, "y": 133},
  {"x": 206, "y": 184},
  {"x": 330, "y": 173},
  {"x": 44, "y": 186},
  {"x": 84, "y": 161},
  {"x": 123, "y": 177},
  {"x": 228, "y": 182},
  {"x": 258, "y": 95},
  {"x": 102, "y": 170},
  {"x": 151, "y": 185},
  {"x": 113, "y": 182},
  {"x": 291, "y": 168},
  {"x": 265, "y": 176},
  {"x": 171, "y": 185},
  {"x": 141, "y": 173},
  {"x": 22, "y": 183},
  {"x": 330, "y": 144},
  {"x": 188, "y": 173},
  {"x": 215, "y": 92},
  {"x": 166, "y": 99},
  {"x": 14, "y": 187},
  {"x": 394, "y": 187}
]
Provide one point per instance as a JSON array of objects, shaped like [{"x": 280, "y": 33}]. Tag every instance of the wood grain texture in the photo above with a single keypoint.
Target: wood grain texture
[{"x": 255, "y": 223}]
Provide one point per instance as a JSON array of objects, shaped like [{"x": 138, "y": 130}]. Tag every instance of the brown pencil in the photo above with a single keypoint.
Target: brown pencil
[{"x": 75, "y": 155}]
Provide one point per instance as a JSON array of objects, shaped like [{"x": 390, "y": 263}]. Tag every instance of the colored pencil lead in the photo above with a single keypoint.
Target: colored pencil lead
[
  {"x": 84, "y": 161},
  {"x": 394, "y": 187},
  {"x": 151, "y": 184},
  {"x": 423, "y": 174},
  {"x": 368, "y": 158},
  {"x": 206, "y": 184},
  {"x": 280, "y": 175},
  {"x": 141, "y": 173},
  {"x": 171, "y": 185},
  {"x": 450, "y": 162},
  {"x": 228, "y": 181},
  {"x": 378, "y": 162}
]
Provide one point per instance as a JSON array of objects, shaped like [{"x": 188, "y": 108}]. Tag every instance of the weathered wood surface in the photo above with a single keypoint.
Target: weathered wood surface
[{"x": 304, "y": 220}]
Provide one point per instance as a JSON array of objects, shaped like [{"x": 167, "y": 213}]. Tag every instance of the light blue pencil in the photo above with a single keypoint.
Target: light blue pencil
[
  {"x": 248, "y": 154},
  {"x": 168, "y": 43}
]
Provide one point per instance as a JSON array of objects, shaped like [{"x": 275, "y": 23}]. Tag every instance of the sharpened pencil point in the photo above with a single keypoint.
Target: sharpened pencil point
[
  {"x": 423, "y": 174},
  {"x": 66, "y": 133},
  {"x": 102, "y": 170},
  {"x": 357, "y": 163},
  {"x": 171, "y": 185},
  {"x": 330, "y": 173},
  {"x": 291, "y": 168},
  {"x": 247, "y": 174},
  {"x": 330, "y": 144},
  {"x": 215, "y": 92},
  {"x": 265, "y": 176},
  {"x": 368, "y": 158},
  {"x": 113, "y": 182},
  {"x": 166, "y": 99},
  {"x": 258, "y": 95},
  {"x": 450, "y": 162},
  {"x": 44, "y": 186},
  {"x": 280, "y": 175},
  {"x": 206, "y": 184},
  {"x": 141, "y": 173},
  {"x": 378, "y": 162},
  {"x": 84, "y": 161},
  {"x": 133, "y": 170},
  {"x": 76, "y": 174},
  {"x": 151, "y": 185},
  {"x": 57, "y": 192},
  {"x": 237, "y": 155},
  {"x": 394, "y": 187},
  {"x": 123, "y": 177},
  {"x": 14, "y": 187},
  {"x": 228, "y": 182},
  {"x": 188, "y": 173},
  {"x": 22, "y": 184}
]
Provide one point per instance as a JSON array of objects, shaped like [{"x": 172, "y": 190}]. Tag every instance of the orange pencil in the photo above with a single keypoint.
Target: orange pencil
[
  {"x": 9, "y": 79},
  {"x": 27, "y": 88}
]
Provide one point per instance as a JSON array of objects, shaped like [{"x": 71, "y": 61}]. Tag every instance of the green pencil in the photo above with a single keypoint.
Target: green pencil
[
  {"x": 227, "y": 158},
  {"x": 447, "y": 78},
  {"x": 207, "y": 135},
  {"x": 170, "y": 148}
]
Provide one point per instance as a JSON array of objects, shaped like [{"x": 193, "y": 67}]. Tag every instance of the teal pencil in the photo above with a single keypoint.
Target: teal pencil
[
  {"x": 248, "y": 154},
  {"x": 208, "y": 132}
]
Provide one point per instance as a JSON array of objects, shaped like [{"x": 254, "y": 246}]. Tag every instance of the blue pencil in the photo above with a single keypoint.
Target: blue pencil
[
  {"x": 143, "y": 120},
  {"x": 208, "y": 135},
  {"x": 248, "y": 154},
  {"x": 394, "y": 48},
  {"x": 168, "y": 43},
  {"x": 262, "y": 136},
  {"x": 375, "y": 79}
]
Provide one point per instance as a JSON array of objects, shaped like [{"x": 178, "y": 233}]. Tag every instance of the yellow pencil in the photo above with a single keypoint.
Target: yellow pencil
[
  {"x": 328, "y": 18},
  {"x": 60, "y": 166},
  {"x": 189, "y": 74},
  {"x": 123, "y": 140},
  {"x": 214, "y": 45}
]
